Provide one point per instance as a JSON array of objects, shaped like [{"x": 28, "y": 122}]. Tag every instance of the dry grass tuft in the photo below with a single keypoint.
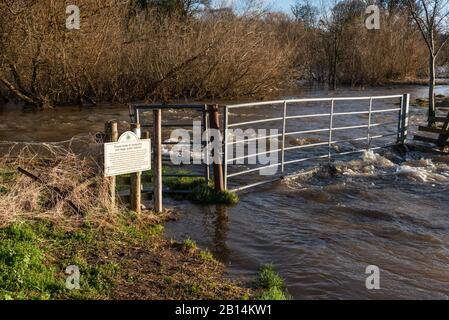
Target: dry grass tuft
[{"x": 77, "y": 176}]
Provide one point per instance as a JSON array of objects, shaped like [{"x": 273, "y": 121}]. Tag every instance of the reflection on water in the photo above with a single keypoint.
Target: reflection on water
[{"x": 221, "y": 229}]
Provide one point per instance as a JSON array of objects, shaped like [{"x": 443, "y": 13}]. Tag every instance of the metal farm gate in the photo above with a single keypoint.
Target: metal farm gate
[
  {"x": 143, "y": 115},
  {"x": 393, "y": 119}
]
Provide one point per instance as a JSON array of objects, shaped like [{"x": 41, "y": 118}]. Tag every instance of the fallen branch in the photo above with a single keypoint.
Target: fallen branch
[{"x": 61, "y": 194}]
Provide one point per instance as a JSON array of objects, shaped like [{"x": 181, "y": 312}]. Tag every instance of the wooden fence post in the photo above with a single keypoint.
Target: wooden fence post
[
  {"x": 111, "y": 132},
  {"x": 157, "y": 168},
  {"x": 218, "y": 167},
  {"x": 136, "y": 180}
]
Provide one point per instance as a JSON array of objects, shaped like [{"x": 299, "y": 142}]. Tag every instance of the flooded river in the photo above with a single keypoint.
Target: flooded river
[{"x": 320, "y": 231}]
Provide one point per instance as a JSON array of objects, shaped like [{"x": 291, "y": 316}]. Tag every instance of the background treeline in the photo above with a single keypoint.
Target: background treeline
[{"x": 167, "y": 49}]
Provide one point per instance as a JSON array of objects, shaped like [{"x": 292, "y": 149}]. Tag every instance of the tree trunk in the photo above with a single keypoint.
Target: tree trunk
[
  {"x": 432, "y": 110},
  {"x": 334, "y": 67}
]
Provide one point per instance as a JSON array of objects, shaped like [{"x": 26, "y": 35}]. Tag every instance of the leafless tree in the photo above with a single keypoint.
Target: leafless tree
[{"x": 431, "y": 17}]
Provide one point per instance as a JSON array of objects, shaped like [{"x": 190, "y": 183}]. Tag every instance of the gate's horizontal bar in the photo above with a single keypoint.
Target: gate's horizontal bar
[
  {"x": 306, "y": 131},
  {"x": 310, "y": 100},
  {"x": 386, "y": 110},
  {"x": 350, "y": 113},
  {"x": 308, "y": 116},
  {"x": 254, "y": 139},
  {"x": 337, "y": 114},
  {"x": 253, "y": 170},
  {"x": 256, "y": 104},
  {"x": 306, "y": 159},
  {"x": 342, "y": 99},
  {"x": 350, "y": 127},
  {"x": 307, "y": 146},
  {"x": 254, "y": 122},
  {"x": 254, "y": 155}
]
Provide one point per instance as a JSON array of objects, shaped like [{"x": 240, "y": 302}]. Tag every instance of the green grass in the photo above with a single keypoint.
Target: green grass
[
  {"x": 271, "y": 286},
  {"x": 35, "y": 255},
  {"x": 24, "y": 273},
  {"x": 142, "y": 234},
  {"x": 189, "y": 245},
  {"x": 208, "y": 195},
  {"x": 184, "y": 183},
  {"x": 200, "y": 191},
  {"x": 207, "y": 256}
]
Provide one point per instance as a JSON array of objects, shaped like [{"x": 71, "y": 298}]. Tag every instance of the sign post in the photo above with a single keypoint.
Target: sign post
[
  {"x": 136, "y": 180},
  {"x": 111, "y": 131},
  {"x": 129, "y": 155}
]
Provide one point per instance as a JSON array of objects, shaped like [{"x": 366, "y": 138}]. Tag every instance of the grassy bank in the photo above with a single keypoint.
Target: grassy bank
[
  {"x": 130, "y": 260},
  {"x": 120, "y": 255}
]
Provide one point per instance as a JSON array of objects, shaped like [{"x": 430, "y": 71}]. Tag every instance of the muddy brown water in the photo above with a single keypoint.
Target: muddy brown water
[{"x": 319, "y": 231}]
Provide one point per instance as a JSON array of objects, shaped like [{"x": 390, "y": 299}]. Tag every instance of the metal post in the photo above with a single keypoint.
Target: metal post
[
  {"x": 111, "y": 131},
  {"x": 225, "y": 145},
  {"x": 218, "y": 167},
  {"x": 136, "y": 180},
  {"x": 405, "y": 106},
  {"x": 157, "y": 170},
  {"x": 283, "y": 139},
  {"x": 398, "y": 140},
  {"x": 369, "y": 123},
  {"x": 330, "y": 131}
]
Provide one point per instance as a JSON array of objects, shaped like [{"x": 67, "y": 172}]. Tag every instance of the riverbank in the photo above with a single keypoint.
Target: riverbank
[
  {"x": 418, "y": 82},
  {"x": 131, "y": 260},
  {"x": 123, "y": 256},
  {"x": 49, "y": 251}
]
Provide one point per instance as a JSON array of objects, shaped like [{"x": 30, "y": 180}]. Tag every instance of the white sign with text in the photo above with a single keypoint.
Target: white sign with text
[{"x": 128, "y": 155}]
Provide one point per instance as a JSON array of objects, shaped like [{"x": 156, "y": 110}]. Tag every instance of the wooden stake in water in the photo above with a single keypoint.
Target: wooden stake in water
[{"x": 218, "y": 167}]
